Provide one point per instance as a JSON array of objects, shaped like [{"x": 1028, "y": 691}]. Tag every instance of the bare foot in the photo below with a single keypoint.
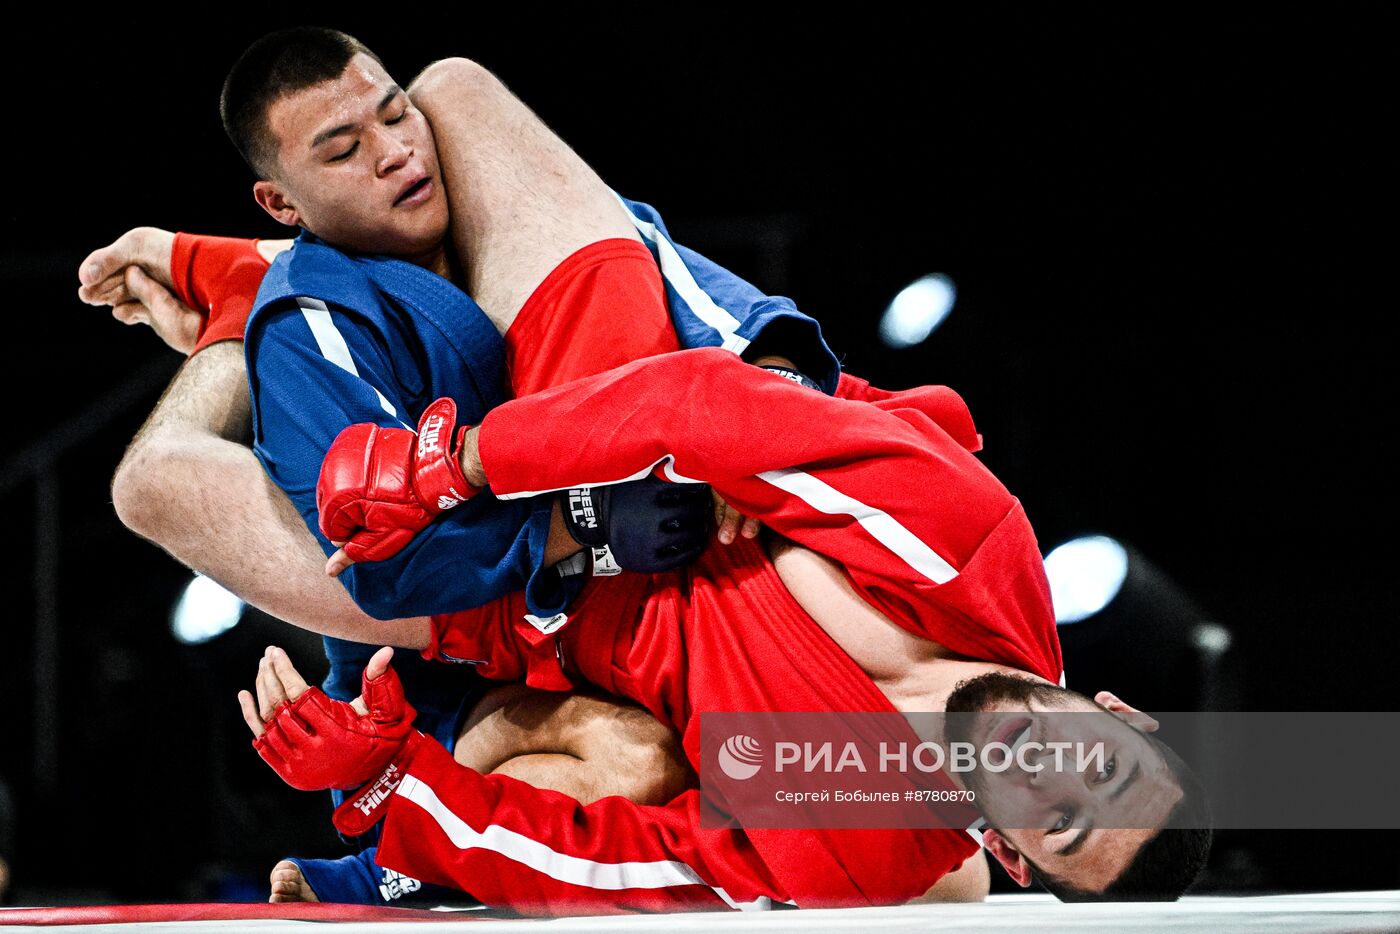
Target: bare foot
[{"x": 288, "y": 884}]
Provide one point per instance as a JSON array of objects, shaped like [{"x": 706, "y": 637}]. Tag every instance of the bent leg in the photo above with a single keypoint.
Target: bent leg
[
  {"x": 602, "y": 307},
  {"x": 585, "y": 744},
  {"x": 521, "y": 201}
]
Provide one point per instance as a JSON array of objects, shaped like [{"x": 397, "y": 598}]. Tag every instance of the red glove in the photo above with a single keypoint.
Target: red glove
[
  {"x": 219, "y": 276},
  {"x": 362, "y": 809},
  {"x": 381, "y": 486},
  {"x": 315, "y": 742}
]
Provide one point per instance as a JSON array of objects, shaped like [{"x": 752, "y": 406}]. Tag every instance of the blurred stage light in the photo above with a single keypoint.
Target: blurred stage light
[
  {"x": 205, "y": 610},
  {"x": 1125, "y": 626},
  {"x": 1085, "y": 574},
  {"x": 917, "y": 310}
]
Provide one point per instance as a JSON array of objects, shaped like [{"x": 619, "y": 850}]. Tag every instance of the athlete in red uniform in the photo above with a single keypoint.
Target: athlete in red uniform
[
  {"x": 885, "y": 483},
  {"x": 728, "y": 636},
  {"x": 902, "y": 596}
]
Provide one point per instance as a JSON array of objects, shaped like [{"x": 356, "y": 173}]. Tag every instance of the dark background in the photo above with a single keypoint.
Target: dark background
[{"x": 1169, "y": 236}]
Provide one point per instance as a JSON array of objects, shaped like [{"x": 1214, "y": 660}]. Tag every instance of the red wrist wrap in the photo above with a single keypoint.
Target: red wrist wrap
[{"x": 220, "y": 277}]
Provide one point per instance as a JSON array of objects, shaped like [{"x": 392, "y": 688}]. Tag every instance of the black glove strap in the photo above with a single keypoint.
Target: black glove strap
[
  {"x": 585, "y": 514},
  {"x": 791, "y": 374}
]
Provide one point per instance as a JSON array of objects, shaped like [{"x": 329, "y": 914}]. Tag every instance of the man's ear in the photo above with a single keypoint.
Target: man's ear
[
  {"x": 1014, "y": 863},
  {"x": 1130, "y": 715},
  {"x": 272, "y": 199}
]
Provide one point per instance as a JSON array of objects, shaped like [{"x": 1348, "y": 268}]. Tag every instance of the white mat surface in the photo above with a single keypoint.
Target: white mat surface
[{"x": 1324, "y": 913}]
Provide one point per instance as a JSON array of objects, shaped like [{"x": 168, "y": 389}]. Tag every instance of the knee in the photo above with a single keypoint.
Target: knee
[
  {"x": 451, "y": 81},
  {"x": 134, "y": 490},
  {"x": 644, "y": 758}
]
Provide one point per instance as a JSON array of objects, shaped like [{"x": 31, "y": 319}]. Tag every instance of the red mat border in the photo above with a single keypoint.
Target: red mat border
[{"x": 219, "y": 911}]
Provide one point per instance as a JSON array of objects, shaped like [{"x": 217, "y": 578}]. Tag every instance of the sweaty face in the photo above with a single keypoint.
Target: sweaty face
[
  {"x": 357, "y": 165},
  {"x": 1081, "y": 825}
]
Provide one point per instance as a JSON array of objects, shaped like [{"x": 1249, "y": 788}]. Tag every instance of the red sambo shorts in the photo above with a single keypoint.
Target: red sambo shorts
[{"x": 603, "y": 306}]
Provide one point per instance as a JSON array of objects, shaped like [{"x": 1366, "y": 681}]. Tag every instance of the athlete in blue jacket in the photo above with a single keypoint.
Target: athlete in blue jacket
[
  {"x": 337, "y": 339},
  {"x": 363, "y": 170}
]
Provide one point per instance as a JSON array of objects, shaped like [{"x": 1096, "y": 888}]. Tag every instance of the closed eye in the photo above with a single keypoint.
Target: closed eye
[{"x": 345, "y": 155}]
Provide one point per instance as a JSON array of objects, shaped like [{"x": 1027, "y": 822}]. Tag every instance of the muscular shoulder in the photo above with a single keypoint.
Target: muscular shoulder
[{"x": 884, "y": 651}]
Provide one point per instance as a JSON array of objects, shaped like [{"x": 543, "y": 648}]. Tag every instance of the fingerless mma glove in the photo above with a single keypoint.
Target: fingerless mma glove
[{"x": 649, "y": 524}]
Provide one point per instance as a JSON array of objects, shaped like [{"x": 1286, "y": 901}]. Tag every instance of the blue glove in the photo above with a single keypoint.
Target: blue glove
[{"x": 650, "y": 525}]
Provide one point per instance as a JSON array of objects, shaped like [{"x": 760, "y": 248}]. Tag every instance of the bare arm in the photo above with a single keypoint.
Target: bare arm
[{"x": 190, "y": 483}]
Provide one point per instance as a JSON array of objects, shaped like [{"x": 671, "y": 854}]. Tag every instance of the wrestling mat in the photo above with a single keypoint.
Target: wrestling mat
[{"x": 1014, "y": 914}]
